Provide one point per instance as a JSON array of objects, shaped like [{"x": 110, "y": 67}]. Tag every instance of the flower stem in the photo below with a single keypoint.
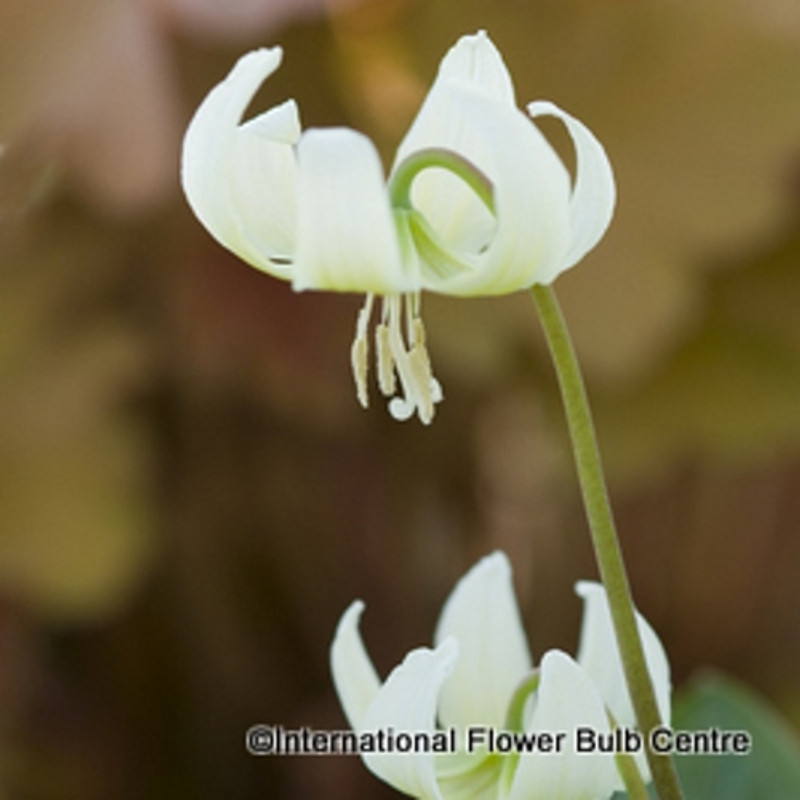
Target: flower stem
[
  {"x": 604, "y": 535},
  {"x": 634, "y": 785}
]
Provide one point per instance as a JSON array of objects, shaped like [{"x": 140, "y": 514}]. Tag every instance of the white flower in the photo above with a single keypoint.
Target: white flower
[
  {"x": 480, "y": 673},
  {"x": 477, "y": 202}
]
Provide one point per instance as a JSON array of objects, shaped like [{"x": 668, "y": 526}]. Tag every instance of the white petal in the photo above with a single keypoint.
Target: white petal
[
  {"x": 528, "y": 239},
  {"x": 407, "y": 702},
  {"x": 239, "y": 179},
  {"x": 599, "y": 656},
  {"x": 347, "y": 239},
  {"x": 354, "y": 676},
  {"x": 263, "y": 185},
  {"x": 594, "y": 193},
  {"x": 567, "y": 698},
  {"x": 476, "y": 61},
  {"x": 279, "y": 124},
  {"x": 482, "y": 615}
]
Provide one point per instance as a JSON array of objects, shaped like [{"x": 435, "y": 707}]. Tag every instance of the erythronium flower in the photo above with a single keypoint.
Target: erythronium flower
[
  {"x": 480, "y": 673},
  {"x": 477, "y": 203}
]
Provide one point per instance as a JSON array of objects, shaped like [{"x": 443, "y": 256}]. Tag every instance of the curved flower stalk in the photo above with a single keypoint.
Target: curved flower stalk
[
  {"x": 480, "y": 674},
  {"x": 477, "y": 203}
]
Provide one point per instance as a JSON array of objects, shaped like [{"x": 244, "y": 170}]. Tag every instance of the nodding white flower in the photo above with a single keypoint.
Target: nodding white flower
[
  {"x": 480, "y": 674},
  {"x": 476, "y": 203}
]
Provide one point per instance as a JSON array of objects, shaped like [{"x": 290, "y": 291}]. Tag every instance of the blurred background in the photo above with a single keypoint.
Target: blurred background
[{"x": 189, "y": 493}]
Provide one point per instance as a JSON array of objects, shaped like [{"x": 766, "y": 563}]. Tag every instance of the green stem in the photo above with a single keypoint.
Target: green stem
[
  {"x": 629, "y": 770},
  {"x": 604, "y": 535},
  {"x": 634, "y": 785}
]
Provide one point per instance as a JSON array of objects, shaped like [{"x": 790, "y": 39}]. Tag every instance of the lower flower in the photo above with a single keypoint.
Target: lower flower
[{"x": 516, "y": 727}]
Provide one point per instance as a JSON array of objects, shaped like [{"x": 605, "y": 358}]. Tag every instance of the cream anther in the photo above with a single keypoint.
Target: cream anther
[
  {"x": 400, "y": 353},
  {"x": 359, "y": 352}
]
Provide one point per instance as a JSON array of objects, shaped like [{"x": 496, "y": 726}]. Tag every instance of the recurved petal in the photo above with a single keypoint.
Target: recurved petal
[
  {"x": 594, "y": 192},
  {"x": 527, "y": 236},
  {"x": 354, "y": 676},
  {"x": 483, "y": 616},
  {"x": 566, "y": 699},
  {"x": 263, "y": 187},
  {"x": 240, "y": 179},
  {"x": 347, "y": 239},
  {"x": 599, "y": 655},
  {"x": 407, "y": 702}
]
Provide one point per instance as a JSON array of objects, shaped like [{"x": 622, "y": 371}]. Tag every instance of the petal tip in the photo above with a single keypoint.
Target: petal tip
[
  {"x": 586, "y": 588},
  {"x": 354, "y": 677},
  {"x": 476, "y": 60},
  {"x": 351, "y": 616},
  {"x": 496, "y": 561},
  {"x": 263, "y": 57},
  {"x": 555, "y": 656}
]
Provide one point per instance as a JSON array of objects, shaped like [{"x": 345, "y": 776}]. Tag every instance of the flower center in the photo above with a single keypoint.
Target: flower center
[
  {"x": 400, "y": 353},
  {"x": 399, "y": 335},
  {"x": 430, "y": 157}
]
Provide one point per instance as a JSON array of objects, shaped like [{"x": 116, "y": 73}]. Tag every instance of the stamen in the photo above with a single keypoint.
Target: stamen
[
  {"x": 419, "y": 338},
  {"x": 386, "y": 379},
  {"x": 359, "y": 352},
  {"x": 398, "y": 356},
  {"x": 418, "y": 333},
  {"x": 421, "y": 375},
  {"x": 359, "y": 361}
]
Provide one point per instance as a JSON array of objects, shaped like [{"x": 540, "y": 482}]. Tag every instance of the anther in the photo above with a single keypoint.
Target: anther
[
  {"x": 422, "y": 380},
  {"x": 383, "y": 347},
  {"x": 359, "y": 352},
  {"x": 358, "y": 359},
  {"x": 400, "y": 354}
]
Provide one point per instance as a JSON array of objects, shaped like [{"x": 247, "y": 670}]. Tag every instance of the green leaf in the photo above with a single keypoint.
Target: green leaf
[{"x": 771, "y": 771}]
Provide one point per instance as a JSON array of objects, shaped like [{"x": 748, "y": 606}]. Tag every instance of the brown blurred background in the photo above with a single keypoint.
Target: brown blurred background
[{"x": 190, "y": 495}]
